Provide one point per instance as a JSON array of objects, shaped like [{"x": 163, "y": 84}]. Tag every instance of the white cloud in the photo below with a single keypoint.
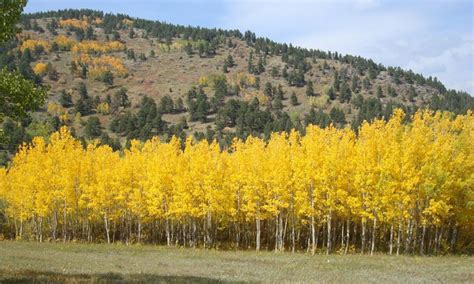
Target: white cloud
[
  {"x": 450, "y": 66},
  {"x": 406, "y": 34}
]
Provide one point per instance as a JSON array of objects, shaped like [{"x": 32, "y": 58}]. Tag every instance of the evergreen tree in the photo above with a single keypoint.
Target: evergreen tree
[
  {"x": 93, "y": 128},
  {"x": 337, "y": 116},
  {"x": 179, "y": 105},
  {"x": 337, "y": 82},
  {"x": 268, "y": 90},
  {"x": 391, "y": 92},
  {"x": 107, "y": 77},
  {"x": 317, "y": 118},
  {"x": 274, "y": 72},
  {"x": 54, "y": 47},
  {"x": 230, "y": 61},
  {"x": 412, "y": 94},
  {"x": 51, "y": 72},
  {"x": 84, "y": 104},
  {"x": 260, "y": 67},
  {"x": 251, "y": 67},
  {"x": 121, "y": 99},
  {"x": 309, "y": 89},
  {"x": 331, "y": 93},
  {"x": 294, "y": 99},
  {"x": 380, "y": 92},
  {"x": 65, "y": 99},
  {"x": 79, "y": 34},
  {"x": 346, "y": 93},
  {"x": 366, "y": 83},
  {"x": 277, "y": 104},
  {"x": 131, "y": 54},
  {"x": 89, "y": 35},
  {"x": 355, "y": 84},
  {"x": 84, "y": 71},
  {"x": 279, "y": 93},
  {"x": 166, "y": 105}
]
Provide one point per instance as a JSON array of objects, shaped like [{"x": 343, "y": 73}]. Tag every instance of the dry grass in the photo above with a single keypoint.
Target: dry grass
[
  {"x": 26, "y": 262},
  {"x": 174, "y": 73}
]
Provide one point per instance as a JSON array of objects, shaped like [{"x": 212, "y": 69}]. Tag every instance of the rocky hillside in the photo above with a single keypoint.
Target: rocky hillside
[{"x": 118, "y": 78}]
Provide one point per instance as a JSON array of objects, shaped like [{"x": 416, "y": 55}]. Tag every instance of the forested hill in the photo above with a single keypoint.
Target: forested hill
[{"x": 119, "y": 78}]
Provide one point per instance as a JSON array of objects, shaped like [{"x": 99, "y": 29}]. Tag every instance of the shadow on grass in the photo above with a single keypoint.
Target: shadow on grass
[{"x": 51, "y": 277}]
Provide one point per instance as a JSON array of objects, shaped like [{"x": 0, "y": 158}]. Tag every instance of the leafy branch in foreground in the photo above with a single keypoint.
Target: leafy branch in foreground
[{"x": 19, "y": 96}]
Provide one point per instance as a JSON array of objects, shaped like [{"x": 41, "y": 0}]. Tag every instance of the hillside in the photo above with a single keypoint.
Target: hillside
[{"x": 118, "y": 78}]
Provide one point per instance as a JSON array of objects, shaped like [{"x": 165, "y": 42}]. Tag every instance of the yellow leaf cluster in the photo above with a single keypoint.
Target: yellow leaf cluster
[
  {"x": 40, "y": 68},
  {"x": 92, "y": 46},
  {"x": 98, "y": 21},
  {"x": 31, "y": 44},
  {"x": 127, "y": 22},
  {"x": 64, "y": 42},
  {"x": 318, "y": 101},
  {"x": 245, "y": 80},
  {"x": 103, "y": 108},
  {"x": 391, "y": 178},
  {"x": 55, "y": 109},
  {"x": 99, "y": 65},
  {"x": 75, "y": 23},
  {"x": 249, "y": 96},
  {"x": 203, "y": 81}
]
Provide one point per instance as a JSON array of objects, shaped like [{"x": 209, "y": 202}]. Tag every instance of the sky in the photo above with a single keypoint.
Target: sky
[{"x": 431, "y": 37}]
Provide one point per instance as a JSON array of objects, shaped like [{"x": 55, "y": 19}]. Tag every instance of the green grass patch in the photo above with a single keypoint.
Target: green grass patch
[{"x": 57, "y": 262}]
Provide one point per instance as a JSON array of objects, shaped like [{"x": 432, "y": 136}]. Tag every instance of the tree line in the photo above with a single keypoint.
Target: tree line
[{"x": 392, "y": 187}]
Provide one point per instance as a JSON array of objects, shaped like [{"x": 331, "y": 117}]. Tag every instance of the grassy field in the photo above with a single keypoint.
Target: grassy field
[{"x": 32, "y": 262}]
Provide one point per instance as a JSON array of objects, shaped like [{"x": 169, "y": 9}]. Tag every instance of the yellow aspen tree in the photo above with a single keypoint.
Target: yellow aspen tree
[
  {"x": 395, "y": 184},
  {"x": 277, "y": 175},
  {"x": 314, "y": 147}
]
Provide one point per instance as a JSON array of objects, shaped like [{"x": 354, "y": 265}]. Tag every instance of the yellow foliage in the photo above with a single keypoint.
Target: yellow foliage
[
  {"x": 127, "y": 22},
  {"x": 203, "y": 81},
  {"x": 318, "y": 101},
  {"x": 381, "y": 180},
  {"x": 99, "y": 65},
  {"x": 75, "y": 23},
  {"x": 64, "y": 42},
  {"x": 31, "y": 44},
  {"x": 55, "y": 109},
  {"x": 103, "y": 108},
  {"x": 78, "y": 118},
  {"x": 40, "y": 68},
  {"x": 261, "y": 97},
  {"x": 92, "y": 46},
  {"x": 245, "y": 80},
  {"x": 98, "y": 21}
]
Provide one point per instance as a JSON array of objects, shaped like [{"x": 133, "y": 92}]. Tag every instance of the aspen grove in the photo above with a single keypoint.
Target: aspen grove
[{"x": 397, "y": 186}]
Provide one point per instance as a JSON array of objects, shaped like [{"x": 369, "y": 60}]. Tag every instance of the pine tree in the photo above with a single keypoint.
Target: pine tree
[
  {"x": 250, "y": 66},
  {"x": 294, "y": 99},
  {"x": 309, "y": 89},
  {"x": 65, "y": 99},
  {"x": 331, "y": 93},
  {"x": 380, "y": 92},
  {"x": 93, "y": 128}
]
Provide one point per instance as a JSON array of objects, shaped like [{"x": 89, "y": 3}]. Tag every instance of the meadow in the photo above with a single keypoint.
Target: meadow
[{"x": 25, "y": 262}]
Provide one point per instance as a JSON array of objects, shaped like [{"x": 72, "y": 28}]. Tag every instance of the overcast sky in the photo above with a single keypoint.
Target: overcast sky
[{"x": 435, "y": 38}]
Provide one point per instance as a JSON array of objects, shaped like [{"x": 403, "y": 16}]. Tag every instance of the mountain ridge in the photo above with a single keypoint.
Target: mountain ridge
[{"x": 116, "y": 78}]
